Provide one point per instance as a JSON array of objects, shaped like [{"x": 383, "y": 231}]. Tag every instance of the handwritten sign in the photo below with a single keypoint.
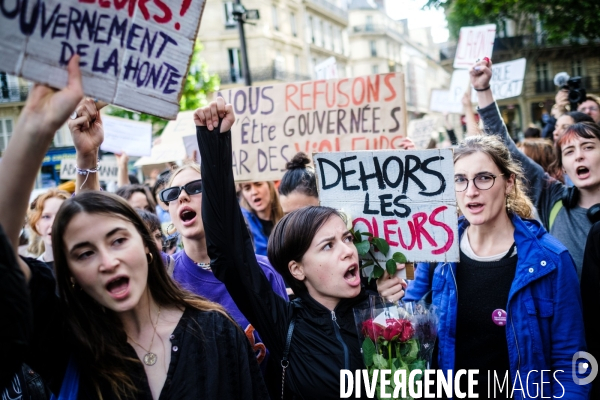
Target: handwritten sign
[
  {"x": 126, "y": 135},
  {"x": 420, "y": 130},
  {"x": 507, "y": 79},
  {"x": 275, "y": 122},
  {"x": 191, "y": 147},
  {"x": 459, "y": 84},
  {"x": 441, "y": 101},
  {"x": 107, "y": 170},
  {"x": 404, "y": 197},
  {"x": 327, "y": 69},
  {"x": 134, "y": 54},
  {"x": 474, "y": 42}
]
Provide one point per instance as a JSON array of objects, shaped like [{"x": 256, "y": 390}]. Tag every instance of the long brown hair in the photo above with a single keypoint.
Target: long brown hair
[
  {"x": 275, "y": 205},
  {"x": 517, "y": 201},
  {"x": 100, "y": 338}
]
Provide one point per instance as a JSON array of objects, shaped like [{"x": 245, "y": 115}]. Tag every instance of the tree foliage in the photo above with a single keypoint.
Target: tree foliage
[
  {"x": 198, "y": 85},
  {"x": 561, "y": 20}
]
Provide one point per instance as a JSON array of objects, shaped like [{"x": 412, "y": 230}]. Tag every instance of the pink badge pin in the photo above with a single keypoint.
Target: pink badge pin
[{"x": 499, "y": 317}]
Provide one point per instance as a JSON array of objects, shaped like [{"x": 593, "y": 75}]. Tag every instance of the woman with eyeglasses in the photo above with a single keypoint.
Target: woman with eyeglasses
[
  {"x": 567, "y": 213},
  {"x": 511, "y": 305},
  {"x": 183, "y": 196}
]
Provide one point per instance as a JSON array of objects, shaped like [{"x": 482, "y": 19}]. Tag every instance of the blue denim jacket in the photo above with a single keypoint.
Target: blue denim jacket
[
  {"x": 545, "y": 323},
  {"x": 260, "y": 239}
]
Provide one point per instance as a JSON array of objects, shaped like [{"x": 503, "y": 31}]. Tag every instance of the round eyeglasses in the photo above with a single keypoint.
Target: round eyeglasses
[{"x": 481, "y": 182}]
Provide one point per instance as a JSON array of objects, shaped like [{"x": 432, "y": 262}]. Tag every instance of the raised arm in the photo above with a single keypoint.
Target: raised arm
[
  {"x": 87, "y": 132},
  {"x": 538, "y": 180},
  {"x": 45, "y": 111},
  {"x": 228, "y": 241}
]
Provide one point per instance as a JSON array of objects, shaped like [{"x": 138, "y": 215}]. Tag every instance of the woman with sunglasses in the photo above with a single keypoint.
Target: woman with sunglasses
[
  {"x": 119, "y": 328},
  {"x": 193, "y": 269},
  {"x": 510, "y": 307}
]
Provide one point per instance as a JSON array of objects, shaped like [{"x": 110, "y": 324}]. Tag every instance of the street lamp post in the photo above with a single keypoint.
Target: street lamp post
[{"x": 241, "y": 14}]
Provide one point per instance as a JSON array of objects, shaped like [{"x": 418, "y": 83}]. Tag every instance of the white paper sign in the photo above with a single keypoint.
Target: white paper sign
[
  {"x": 474, "y": 42},
  {"x": 404, "y": 197},
  {"x": 441, "y": 101},
  {"x": 134, "y": 54},
  {"x": 126, "y": 135},
  {"x": 191, "y": 145},
  {"x": 420, "y": 130},
  {"x": 460, "y": 83},
  {"x": 327, "y": 69},
  {"x": 507, "y": 79},
  {"x": 107, "y": 170}
]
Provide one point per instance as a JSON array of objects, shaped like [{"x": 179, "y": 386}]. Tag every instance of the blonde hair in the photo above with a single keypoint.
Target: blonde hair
[
  {"x": 516, "y": 201},
  {"x": 36, "y": 244},
  {"x": 276, "y": 210},
  {"x": 192, "y": 165}
]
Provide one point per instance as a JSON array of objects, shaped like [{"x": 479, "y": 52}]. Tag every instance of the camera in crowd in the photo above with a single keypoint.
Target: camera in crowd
[{"x": 577, "y": 94}]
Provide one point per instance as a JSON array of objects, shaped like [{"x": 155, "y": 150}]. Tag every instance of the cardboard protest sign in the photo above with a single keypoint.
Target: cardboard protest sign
[
  {"x": 420, "y": 130},
  {"x": 275, "y": 122},
  {"x": 441, "y": 101},
  {"x": 191, "y": 147},
  {"x": 507, "y": 79},
  {"x": 459, "y": 84},
  {"x": 474, "y": 42},
  {"x": 107, "y": 170},
  {"x": 404, "y": 197},
  {"x": 126, "y": 135},
  {"x": 134, "y": 54}
]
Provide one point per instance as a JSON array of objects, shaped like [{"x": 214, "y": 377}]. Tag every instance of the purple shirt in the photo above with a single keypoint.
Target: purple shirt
[{"x": 204, "y": 283}]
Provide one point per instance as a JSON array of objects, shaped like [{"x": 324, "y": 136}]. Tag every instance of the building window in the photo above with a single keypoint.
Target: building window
[
  {"x": 293, "y": 24},
  {"x": 327, "y": 36},
  {"x": 6, "y": 130},
  {"x": 235, "y": 65},
  {"x": 576, "y": 68},
  {"x": 541, "y": 70},
  {"x": 297, "y": 64},
  {"x": 375, "y": 69},
  {"x": 373, "y": 48},
  {"x": 230, "y": 22},
  {"x": 369, "y": 25},
  {"x": 275, "y": 19},
  {"x": 312, "y": 26}
]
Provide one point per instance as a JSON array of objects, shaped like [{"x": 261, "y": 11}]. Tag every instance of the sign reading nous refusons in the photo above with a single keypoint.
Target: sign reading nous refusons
[
  {"x": 404, "y": 197},
  {"x": 133, "y": 54}
]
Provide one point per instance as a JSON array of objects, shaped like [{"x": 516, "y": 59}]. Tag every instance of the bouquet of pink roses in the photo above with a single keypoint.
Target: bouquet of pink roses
[{"x": 396, "y": 337}]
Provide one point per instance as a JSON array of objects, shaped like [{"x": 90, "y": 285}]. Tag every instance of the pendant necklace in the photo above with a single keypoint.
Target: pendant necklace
[
  {"x": 150, "y": 357},
  {"x": 204, "y": 266}
]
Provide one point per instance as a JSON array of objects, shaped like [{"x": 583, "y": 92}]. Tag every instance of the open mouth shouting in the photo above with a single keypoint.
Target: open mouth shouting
[
  {"x": 187, "y": 216},
  {"x": 582, "y": 172},
  {"x": 352, "y": 275},
  {"x": 475, "y": 207},
  {"x": 118, "y": 287}
]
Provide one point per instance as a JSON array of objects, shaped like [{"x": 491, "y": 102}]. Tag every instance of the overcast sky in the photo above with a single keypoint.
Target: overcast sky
[{"x": 411, "y": 9}]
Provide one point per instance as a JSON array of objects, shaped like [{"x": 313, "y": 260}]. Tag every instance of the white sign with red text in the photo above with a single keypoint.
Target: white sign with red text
[{"x": 474, "y": 43}]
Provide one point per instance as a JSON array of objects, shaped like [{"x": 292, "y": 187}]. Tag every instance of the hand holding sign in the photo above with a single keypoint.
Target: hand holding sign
[
  {"x": 209, "y": 116},
  {"x": 47, "y": 108}
]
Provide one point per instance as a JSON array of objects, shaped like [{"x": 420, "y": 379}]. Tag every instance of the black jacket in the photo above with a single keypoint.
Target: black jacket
[
  {"x": 321, "y": 346},
  {"x": 590, "y": 297},
  {"x": 15, "y": 312}
]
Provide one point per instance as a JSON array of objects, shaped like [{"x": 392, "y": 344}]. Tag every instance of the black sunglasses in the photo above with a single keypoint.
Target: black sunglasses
[{"x": 171, "y": 194}]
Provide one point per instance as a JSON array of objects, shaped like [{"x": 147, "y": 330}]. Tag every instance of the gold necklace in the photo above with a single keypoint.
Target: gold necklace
[{"x": 150, "y": 357}]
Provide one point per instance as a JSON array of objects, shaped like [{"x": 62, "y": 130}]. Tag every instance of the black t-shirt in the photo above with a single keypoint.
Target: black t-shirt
[
  {"x": 483, "y": 287},
  {"x": 267, "y": 226}
]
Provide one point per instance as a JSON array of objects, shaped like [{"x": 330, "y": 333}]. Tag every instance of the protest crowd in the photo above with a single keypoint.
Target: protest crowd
[{"x": 205, "y": 286}]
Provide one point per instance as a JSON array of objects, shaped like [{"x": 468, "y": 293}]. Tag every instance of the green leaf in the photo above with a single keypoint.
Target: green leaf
[
  {"x": 390, "y": 266},
  {"x": 399, "y": 258},
  {"x": 381, "y": 245},
  {"x": 380, "y": 362},
  {"x": 368, "y": 348},
  {"x": 363, "y": 247},
  {"x": 369, "y": 234},
  {"x": 377, "y": 272},
  {"x": 357, "y": 237}
]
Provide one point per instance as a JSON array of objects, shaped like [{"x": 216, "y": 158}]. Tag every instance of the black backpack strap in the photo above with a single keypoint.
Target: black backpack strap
[{"x": 285, "y": 362}]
